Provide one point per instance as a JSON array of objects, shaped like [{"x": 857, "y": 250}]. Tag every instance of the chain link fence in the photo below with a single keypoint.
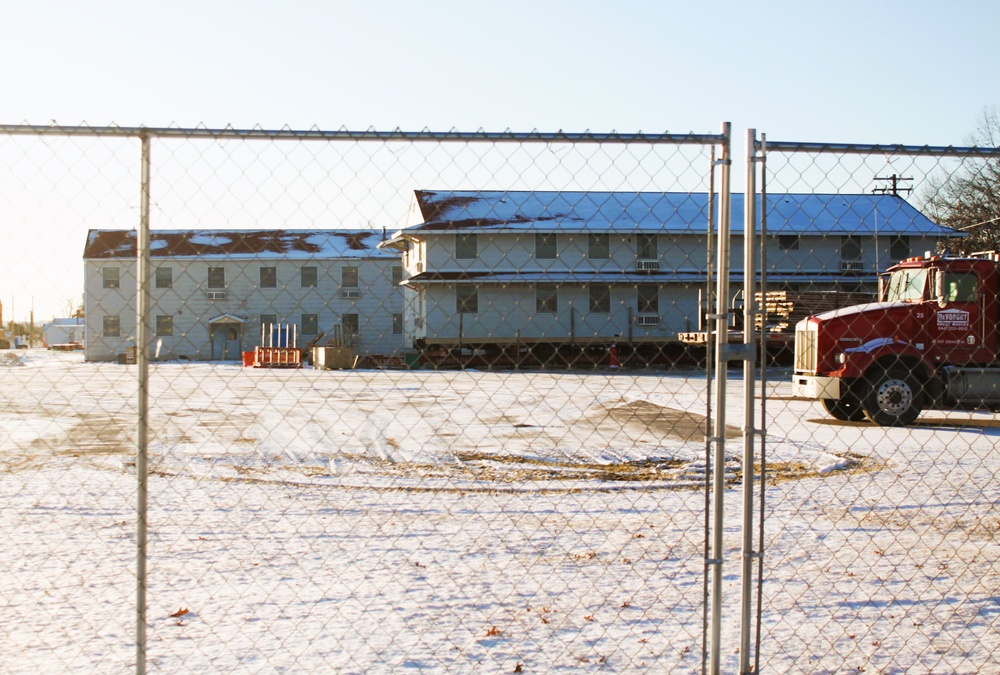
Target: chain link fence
[
  {"x": 362, "y": 401},
  {"x": 885, "y": 558},
  {"x": 381, "y": 401}
]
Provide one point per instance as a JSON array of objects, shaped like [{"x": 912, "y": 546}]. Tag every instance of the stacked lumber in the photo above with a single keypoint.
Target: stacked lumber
[{"x": 784, "y": 309}]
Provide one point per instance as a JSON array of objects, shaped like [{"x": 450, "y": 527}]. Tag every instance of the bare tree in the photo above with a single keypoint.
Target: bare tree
[{"x": 968, "y": 199}]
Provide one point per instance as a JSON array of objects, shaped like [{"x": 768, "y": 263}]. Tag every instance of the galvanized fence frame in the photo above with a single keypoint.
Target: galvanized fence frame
[
  {"x": 715, "y": 366},
  {"x": 759, "y": 618}
]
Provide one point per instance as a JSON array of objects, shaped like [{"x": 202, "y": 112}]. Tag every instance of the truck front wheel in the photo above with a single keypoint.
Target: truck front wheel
[
  {"x": 845, "y": 409},
  {"x": 894, "y": 397}
]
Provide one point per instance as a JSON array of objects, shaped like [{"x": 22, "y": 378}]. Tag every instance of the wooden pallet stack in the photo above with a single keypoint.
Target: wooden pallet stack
[{"x": 786, "y": 308}]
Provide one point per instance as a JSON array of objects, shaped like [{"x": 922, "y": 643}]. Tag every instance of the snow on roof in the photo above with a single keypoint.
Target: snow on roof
[
  {"x": 611, "y": 277},
  {"x": 676, "y": 212},
  {"x": 239, "y": 244}
]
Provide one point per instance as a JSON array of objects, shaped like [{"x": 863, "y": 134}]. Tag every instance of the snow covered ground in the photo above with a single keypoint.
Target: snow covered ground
[{"x": 376, "y": 521}]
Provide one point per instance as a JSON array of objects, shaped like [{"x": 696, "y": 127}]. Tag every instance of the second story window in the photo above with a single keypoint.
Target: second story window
[
  {"x": 268, "y": 277},
  {"x": 164, "y": 277},
  {"x": 310, "y": 277},
  {"x": 111, "y": 277},
  {"x": 216, "y": 277},
  {"x": 598, "y": 246},
  {"x": 397, "y": 275},
  {"x": 349, "y": 277},
  {"x": 545, "y": 246},
  {"x": 788, "y": 242},
  {"x": 466, "y": 246},
  {"x": 850, "y": 248},
  {"x": 899, "y": 248},
  {"x": 645, "y": 246}
]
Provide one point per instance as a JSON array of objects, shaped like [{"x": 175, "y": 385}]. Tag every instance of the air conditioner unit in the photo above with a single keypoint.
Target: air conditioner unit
[
  {"x": 852, "y": 266},
  {"x": 648, "y": 320},
  {"x": 216, "y": 295},
  {"x": 647, "y": 265},
  {"x": 350, "y": 294}
]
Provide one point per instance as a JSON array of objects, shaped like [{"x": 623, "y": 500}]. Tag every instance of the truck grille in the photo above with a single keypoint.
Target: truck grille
[{"x": 805, "y": 351}]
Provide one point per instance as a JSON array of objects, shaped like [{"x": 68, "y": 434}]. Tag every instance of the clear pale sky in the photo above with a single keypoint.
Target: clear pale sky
[
  {"x": 887, "y": 72},
  {"x": 915, "y": 72}
]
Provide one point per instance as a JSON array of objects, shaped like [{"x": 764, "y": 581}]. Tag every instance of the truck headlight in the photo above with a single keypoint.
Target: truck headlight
[{"x": 840, "y": 359}]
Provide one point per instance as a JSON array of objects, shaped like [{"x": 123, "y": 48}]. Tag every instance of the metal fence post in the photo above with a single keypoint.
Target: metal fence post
[
  {"x": 142, "y": 436},
  {"x": 750, "y": 313},
  {"x": 719, "y": 426}
]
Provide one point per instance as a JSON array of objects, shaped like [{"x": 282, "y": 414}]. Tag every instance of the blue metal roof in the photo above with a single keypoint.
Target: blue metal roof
[{"x": 667, "y": 212}]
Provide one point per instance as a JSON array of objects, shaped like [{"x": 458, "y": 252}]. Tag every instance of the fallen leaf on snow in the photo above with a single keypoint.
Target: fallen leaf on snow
[{"x": 181, "y": 612}]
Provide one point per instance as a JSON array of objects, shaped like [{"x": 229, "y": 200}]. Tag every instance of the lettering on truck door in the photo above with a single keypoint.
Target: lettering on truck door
[{"x": 955, "y": 319}]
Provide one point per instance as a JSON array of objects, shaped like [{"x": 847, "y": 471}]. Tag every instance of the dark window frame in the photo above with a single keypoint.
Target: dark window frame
[
  {"x": 309, "y": 277},
  {"x": 647, "y": 299},
  {"x": 466, "y": 246},
  {"x": 268, "y": 277},
  {"x": 600, "y": 298},
  {"x": 109, "y": 280},
  {"x": 546, "y": 299},
  {"x": 163, "y": 277},
  {"x": 598, "y": 246},
  {"x": 216, "y": 277},
  {"x": 466, "y": 299}
]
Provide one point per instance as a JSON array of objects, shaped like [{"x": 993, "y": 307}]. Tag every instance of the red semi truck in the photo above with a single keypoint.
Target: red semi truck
[{"x": 930, "y": 341}]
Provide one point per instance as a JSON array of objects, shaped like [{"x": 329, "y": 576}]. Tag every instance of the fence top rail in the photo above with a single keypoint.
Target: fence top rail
[
  {"x": 875, "y": 149},
  {"x": 365, "y": 135}
]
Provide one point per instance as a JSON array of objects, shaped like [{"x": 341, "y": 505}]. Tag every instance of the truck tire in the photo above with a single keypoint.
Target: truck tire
[
  {"x": 894, "y": 397},
  {"x": 846, "y": 409}
]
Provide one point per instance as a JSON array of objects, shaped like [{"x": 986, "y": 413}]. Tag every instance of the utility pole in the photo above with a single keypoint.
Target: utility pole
[{"x": 893, "y": 188}]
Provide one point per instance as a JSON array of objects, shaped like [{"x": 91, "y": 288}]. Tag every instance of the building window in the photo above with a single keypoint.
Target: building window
[
  {"x": 112, "y": 326},
  {"x": 397, "y": 324},
  {"x": 545, "y": 246},
  {"x": 112, "y": 277},
  {"x": 268, "y": 320},
  {"x": 164, "y": 324},
  {"x": 216, "y": 277},
  {"x": 648, "y": 299},
  {"x": 310, "y": 324},
  {"x": 788, "y": 242},
  {"x": 899, "y": 248},
  {"x": 309, "y": 277},
  {"x": 397, "y": 275},
  {"x": 349, "y": 277},
  {"x": 466, "y": 299},
  {"x": 600, "y": 299},
  {"x": 598, "y": 246},
  {"x": 850, "y": 248},
  {"x": 350, "y": 324},
  {"x": 268, "y": 277},
  {"x": 466, "y": 246},
  {"x": 645, "y": 247},
  {"x": 546, "y": 299},
  {"x": 164, "y": 277}
]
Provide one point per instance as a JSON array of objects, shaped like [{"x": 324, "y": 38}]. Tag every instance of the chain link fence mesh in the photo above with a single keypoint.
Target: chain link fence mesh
[
  {"x": 441, "y": 402},
  {"x": 884, "y": 558},
  {"x": 360, "y": 457}
]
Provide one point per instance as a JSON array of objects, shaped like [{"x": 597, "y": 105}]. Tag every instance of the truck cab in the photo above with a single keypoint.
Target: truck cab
[{"x": 929, "y": 340}]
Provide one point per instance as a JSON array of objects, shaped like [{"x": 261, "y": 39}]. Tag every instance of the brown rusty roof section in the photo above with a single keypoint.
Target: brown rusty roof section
[
  {"x": 176, "y": 243},
  {"x": 436, "y": 213}
]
